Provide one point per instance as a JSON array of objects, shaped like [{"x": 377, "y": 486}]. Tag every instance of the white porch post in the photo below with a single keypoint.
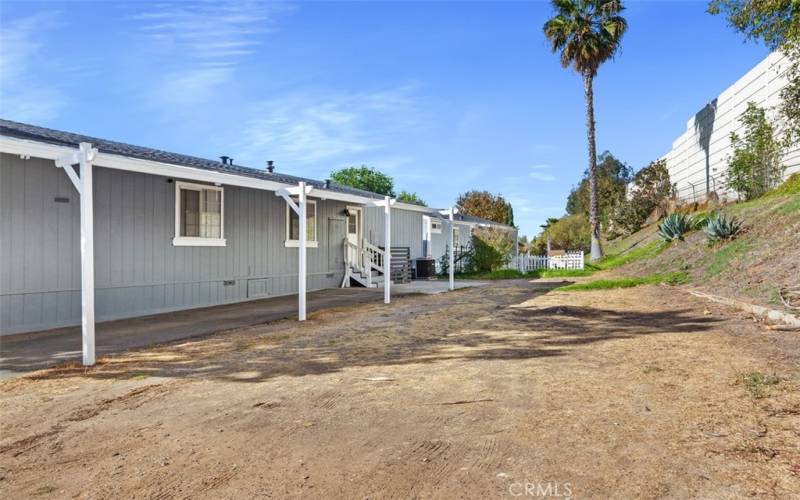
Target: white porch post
[
  {"x": 452, "y": 259},
  {"x": 301, "y": 209},
  {"x": 87, "y": 253},
  {"x": 301, "y": 266},
  {"x": 387, "y": 257},
  {"x": 83, "y": 185}
]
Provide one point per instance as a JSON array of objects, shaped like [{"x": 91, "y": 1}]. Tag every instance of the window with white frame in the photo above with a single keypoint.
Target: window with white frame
[
  {"x": 436, "y": 226},
  {"x": 293, "y": 225},
  {"x": 199, "y": 215},
  {"x": 456, "y": 237}
]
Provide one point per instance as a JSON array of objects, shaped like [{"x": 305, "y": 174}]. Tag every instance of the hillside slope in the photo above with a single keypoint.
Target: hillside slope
[{"x": 752, "y": 267}]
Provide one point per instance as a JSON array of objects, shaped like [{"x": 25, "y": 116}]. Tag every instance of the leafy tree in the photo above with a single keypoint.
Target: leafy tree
[
  {"x": 790, "y": 95},
  {"x": 651, "y": 185},
  {"x": 611, "y": 180},
  {"x": 571, "y": 232},
  {"x": 755, "y": 166},
  {"x": 587, "y": 33},
  {"x": 410, "y": 198},
  {"x": 491, "y": 248},
  {"x": 523, "y": 245},
  {"x": 549, "y": 222},
  {"x": 364, "y": 178},
  {"x": 777, "y": 24},
  {"x": 486, "y": 205}
]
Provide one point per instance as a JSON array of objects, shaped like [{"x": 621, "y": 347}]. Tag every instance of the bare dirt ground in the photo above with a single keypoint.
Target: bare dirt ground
[{"x": 478, "y": 393}]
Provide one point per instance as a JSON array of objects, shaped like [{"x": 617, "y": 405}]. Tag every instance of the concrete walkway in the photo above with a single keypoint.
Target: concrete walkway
[
  {"x": 433, "y": 286},
  {"x": 34, "y": 351}
]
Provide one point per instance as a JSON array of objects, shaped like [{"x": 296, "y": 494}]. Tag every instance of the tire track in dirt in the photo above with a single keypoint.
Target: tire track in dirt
[
  {"x": 129, "y": 401},
  {"x": 421, "y": 466},
  {"x": 28, "y": 443},
  {"x": 328, "y": 400}
]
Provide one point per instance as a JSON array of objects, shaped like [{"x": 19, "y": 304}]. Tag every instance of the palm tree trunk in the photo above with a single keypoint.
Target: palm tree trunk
[{"x": 593, "y": 220}]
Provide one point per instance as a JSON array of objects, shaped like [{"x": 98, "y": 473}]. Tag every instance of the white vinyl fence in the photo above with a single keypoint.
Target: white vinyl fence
[{"x": 525, "y": 262}]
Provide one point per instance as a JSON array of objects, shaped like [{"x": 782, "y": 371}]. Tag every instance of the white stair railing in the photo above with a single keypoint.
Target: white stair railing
[
  {"x": 374, "y": 256},
  {"x": 363, "y": 260}
]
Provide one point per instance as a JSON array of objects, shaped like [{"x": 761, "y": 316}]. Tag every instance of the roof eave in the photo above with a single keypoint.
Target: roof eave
[{"x": 46, "y": 150}]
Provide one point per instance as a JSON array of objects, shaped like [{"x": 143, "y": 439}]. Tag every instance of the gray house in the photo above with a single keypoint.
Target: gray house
[
  {"x": 464, "y": 227},
  {"x": 92, "y": 229}
]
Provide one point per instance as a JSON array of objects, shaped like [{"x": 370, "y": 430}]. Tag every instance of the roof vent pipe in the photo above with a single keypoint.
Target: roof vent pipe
[
  {"x": 270, "y": 166},
  {"x": 224, "y": 160}
]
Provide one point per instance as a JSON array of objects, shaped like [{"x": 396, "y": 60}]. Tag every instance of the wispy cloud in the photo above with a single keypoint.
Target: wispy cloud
[
  {"x": 202, "y": 44},
  {"x": 24, "y": 98},
  {"x": 540, "y": 173},
  {"x": 330, "y": 128}
]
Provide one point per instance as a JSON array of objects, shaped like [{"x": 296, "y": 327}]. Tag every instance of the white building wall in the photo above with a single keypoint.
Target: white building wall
[{"x": 699, "y": 157}]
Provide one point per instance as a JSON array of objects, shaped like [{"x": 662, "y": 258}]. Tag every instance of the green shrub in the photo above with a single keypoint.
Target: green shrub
[
  {"x": 720, "y": 227},
  {"x": 491, "y": 249},
  {"x": 700, "y": 219},
  {"x": 675, "y": 226},
  {"x": 756, "y": 164},
  {"x": 651, "y": 186},
  {"x": 571, "y": 232},
  {"x": 789, "y": 186}
]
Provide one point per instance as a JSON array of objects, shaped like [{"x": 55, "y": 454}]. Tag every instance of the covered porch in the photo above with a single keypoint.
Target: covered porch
[{"x": 27, "y": 352}]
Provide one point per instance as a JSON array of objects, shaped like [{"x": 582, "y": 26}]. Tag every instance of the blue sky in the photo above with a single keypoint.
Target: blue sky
[{"x": 443, "y": 96}]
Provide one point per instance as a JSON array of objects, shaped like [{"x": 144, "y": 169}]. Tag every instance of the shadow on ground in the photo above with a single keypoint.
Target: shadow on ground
[{"x": 473, "y": 325}]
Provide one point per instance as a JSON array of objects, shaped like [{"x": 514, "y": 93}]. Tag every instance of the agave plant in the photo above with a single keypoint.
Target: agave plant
[
  {"x": 699, "y": 220},
  {"x": 720, "y": 227},
  {"x": 674, "y": 226}
]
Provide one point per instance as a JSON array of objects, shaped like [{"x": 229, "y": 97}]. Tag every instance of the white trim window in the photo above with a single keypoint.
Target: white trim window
[
  {"x": 436, "y": 226},
  {"x": 293, "y": 225},
  {"x": 456, "y": 237},
  {"x": 199, "y": 215}
]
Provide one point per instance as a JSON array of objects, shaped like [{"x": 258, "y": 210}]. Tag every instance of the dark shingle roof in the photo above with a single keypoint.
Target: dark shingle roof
[{"x": 58, "y": 137}]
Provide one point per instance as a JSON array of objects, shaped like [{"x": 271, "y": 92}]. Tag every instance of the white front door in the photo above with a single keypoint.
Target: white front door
[{"x": 354, "y": 225}]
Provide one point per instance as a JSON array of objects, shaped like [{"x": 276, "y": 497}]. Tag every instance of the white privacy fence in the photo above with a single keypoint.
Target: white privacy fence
[
  {"x": 698, "y": 160},
  {"x": 525, "y": 262}
]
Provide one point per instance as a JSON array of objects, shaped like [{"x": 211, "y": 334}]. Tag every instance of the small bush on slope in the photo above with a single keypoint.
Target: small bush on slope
[
  {"x": 789, "y": 186},
  {"x": 720, "y": 227},
  {"x": 675, "y": 226}
]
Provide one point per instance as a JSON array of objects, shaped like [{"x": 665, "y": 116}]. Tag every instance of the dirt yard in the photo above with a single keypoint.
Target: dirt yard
[{"x": 492, "y": 392}]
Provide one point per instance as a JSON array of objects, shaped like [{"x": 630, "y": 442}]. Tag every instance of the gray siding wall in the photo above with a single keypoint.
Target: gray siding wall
[
  {"x": 440, "y": 240},
  {"x": 439, "y": 244},
  {"x": 406, "y": 228},
  {"x": 137, "y": 269}
]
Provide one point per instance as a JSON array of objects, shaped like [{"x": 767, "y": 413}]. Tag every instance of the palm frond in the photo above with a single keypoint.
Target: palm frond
[{"x": 586, "y": 32}]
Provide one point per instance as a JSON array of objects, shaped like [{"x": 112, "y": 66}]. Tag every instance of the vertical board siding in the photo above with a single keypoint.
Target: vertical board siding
[
  {"x": 406, "y": 228},
  {"x": 137, "y": 269}
]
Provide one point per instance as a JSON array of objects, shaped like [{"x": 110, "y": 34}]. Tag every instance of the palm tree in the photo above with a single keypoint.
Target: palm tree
[{"x": 587, "y": 33}]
